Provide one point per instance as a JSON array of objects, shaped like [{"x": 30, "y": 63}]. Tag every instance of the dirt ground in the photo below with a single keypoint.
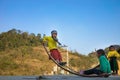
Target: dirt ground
[{"x": 57, "y": 77}]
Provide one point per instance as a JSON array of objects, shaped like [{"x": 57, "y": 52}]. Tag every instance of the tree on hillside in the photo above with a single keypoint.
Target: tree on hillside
[{"x": 16, "y": 38}]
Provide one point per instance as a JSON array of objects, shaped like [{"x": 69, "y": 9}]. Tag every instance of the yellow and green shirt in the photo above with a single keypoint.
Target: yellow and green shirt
[
  {"x": 52, "y": 44},
  {"x": 113, "y": 54}
]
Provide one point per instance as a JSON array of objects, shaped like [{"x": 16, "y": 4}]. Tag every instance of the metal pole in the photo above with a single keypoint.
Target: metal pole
[
  {"x": 67, "y": 59},
  {"x": 67, "y": 55}
]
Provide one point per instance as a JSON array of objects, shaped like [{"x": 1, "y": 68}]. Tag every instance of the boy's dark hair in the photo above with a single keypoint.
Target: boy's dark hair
[
  {"x": 111, "y": 46},
  {"x": 102, "y": 52}
]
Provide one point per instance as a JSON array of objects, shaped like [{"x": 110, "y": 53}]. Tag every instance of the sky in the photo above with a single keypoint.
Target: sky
[{"x": 82, "y": 25}]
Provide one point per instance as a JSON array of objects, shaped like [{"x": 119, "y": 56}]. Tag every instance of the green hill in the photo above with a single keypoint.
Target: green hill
[
  {"x": 21, "y": 53},
  {"x": 34, "y": 61}
]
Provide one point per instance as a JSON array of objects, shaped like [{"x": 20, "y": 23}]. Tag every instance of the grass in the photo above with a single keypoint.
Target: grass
[
  {"x": 24, "y": 61},
  {"x": 34, "y": 61}
]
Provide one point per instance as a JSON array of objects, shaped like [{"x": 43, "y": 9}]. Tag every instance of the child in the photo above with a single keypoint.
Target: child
[
  {"x": 52, "y": 42},
  {"x": 113, "y": 55},
  {"x": 104, "y": 67}
]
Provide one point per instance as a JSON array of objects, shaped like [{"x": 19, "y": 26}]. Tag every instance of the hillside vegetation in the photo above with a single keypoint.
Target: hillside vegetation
[
  {"x": 34, "y": 61},
  {"x": 21, "y": 53}
]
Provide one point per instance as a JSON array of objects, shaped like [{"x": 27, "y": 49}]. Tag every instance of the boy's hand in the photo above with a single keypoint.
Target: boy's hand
[{"x": 44, "y": 43}]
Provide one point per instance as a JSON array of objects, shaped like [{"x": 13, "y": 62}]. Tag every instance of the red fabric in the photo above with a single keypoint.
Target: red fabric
[{"x": 56, "y": 54}]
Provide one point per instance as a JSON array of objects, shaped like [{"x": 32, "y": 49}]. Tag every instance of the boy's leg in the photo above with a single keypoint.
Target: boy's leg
[
  {"x": 113, "y": 71},
  {"x": 92, "y": 71},
  {"x": 114, "y": 65},
  {"x": 57, "y": 56},
  {"x": 60, "y": 58},
  {"x": 54, "y": 54},
  {"x": 116, "y": 71}
]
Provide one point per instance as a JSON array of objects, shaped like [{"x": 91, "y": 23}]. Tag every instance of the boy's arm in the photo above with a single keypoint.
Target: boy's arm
[
  {"x": 117, "y": 54},
  {"x": 109, "y": 55},
  {"x": 44, "y": 40}
]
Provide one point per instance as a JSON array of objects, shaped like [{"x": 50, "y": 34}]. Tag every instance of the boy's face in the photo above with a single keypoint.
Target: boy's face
[
  {"x": 54, "y": 34},
  {"x": 112, "y": 49},
  {"x": 98, "y": 55}
]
